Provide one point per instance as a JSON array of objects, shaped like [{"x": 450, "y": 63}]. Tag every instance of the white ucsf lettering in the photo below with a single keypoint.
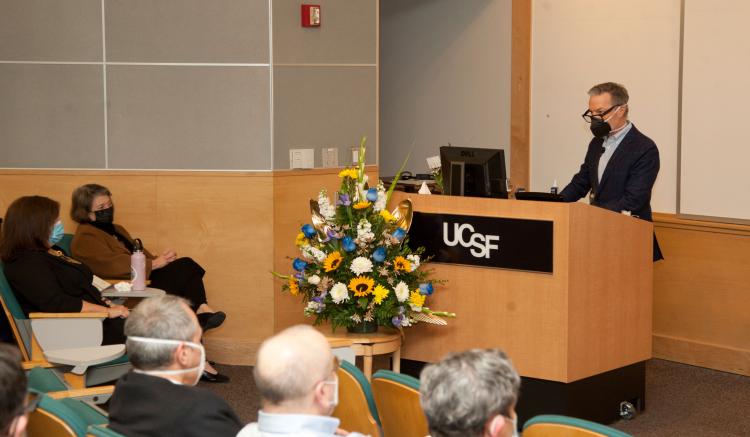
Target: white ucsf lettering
[{"x": 480, "y": 245}]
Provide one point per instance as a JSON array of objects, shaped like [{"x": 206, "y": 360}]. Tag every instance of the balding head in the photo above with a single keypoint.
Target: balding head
[{"x": 291, "y": 365}]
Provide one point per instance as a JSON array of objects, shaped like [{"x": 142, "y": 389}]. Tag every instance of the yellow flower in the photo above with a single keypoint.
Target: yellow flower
[
  {"x": 380, "y": 293},
  {"x": 293, "y": 286},
  {"x": 417, "y": 299},
  {"x": 362, "y": 205},
  {"x": 361, "y": 286},
  {"x": 387, "y": 216},
  {"x": 348, "y": 173},
  {"x": 402, "y": 264},
  {"x": 300, "y": 240},
  {"x": 332, "y": 262}
]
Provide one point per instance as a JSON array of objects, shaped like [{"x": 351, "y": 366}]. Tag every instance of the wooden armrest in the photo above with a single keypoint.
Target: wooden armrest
[
  {"x": 67, "y": 315},
  {"x": 28, "y": 365},
  {"x": 81, "y": 392}
]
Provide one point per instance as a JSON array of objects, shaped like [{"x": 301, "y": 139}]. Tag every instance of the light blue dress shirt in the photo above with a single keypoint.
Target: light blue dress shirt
[
  {"x": 302, "y": 425},
  {"x": 610, "y": 145}
]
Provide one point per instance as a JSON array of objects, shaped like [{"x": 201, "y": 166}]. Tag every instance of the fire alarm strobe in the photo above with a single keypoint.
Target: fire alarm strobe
[{"x": 310, "y": 15}]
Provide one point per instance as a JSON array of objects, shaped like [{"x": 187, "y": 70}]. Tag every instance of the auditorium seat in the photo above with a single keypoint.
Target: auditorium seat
[
  {"x": 397, "y": 401},
  {"x": 563, "y": 426},
  {"x": 356, "y": 408}
]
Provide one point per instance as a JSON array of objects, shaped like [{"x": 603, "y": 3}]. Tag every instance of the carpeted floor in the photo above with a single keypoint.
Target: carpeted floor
[{"x": 681, "y": 400}]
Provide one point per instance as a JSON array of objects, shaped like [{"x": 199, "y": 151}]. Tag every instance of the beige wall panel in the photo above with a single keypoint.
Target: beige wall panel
[
  {"x": 292, "y": 191},
  {"x": 445, "y": 78},
  {"x": 188, "y": 117},
  {"x": 347, "y": 34},
  {"x": 316, "y": 107},
  {"x": 226, "y": 31},
  {"x": 638, "y": 47},
  {"x": 50, "y": 30},
  {"x": 51, "y": 116},
  {"x": 702, "y": 291}
]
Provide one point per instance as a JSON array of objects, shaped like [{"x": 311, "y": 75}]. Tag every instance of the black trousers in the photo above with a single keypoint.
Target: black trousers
[
  {"x": 114, "y": 331},
  {"x": 182, "y": 277}
]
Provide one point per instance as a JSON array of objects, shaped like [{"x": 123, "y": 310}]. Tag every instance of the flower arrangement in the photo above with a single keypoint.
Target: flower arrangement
[{"x": 354, "y": 267}]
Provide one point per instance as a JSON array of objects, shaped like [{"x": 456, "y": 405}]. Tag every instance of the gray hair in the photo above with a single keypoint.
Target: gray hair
[
  {"x": 463, "y": 391},
  {"x": 166, "y": 317},
  {"x": 82, "y": 198},
  {"x": 618, "y": 92}
]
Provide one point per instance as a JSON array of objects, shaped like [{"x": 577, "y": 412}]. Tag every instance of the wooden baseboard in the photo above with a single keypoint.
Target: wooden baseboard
[
  {"x": 712, "y": 356},
  {"x": 237, "y": 352}
]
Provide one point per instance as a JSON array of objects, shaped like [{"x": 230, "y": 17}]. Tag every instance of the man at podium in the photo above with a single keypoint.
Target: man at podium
[{"x": 621, "y": 163}]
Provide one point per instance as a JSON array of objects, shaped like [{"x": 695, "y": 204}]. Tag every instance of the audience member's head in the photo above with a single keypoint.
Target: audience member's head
[
  {"x": 296, "y": 373},
  {"x": 13, "y": 417},
  {"x": 90, "y": 203},
  {"x": 29, "y": 224},
  {"x": 472, "y": 393},
  {"x": 164, "y": 339}
]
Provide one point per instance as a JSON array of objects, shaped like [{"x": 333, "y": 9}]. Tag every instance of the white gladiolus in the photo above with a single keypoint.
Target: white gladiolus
[
  {"x": 381, "y": 202},
  {"x": 364, "y": 232},
  {"x": 339, "y": 293},
  {"x": 361, "y": 265},
  {"x": 314, "y": 279},
  {"x": 324, "y": 206},
  {"x": 414, "y": 261},
  {"x": 402, "y": 291}
]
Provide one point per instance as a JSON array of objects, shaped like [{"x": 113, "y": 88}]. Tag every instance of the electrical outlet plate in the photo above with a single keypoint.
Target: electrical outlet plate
[
  {"x": 330, "y": 156},
  {"x": 301, "y": 158}
]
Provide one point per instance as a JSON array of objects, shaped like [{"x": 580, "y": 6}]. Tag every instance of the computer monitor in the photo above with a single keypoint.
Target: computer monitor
[{"x": 475, "y": 172}]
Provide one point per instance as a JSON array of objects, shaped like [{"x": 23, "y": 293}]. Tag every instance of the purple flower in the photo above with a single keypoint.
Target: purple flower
[
  {"x": 399, "y": 234},
  {"x": 299, "y": 276},
  {"x": 308, "y": 230},
  {"x": 317, "y": 299},
  {"x": 299, "y": 265},
  {"x": 426, "y": 289},
  {"x": 379, "y": 255},
  {"x": 372, "y": 194},
  {"x": 344, "y": 200},
  {"x": 332, "y": 234},
  {"x": 396, "y": 321}
]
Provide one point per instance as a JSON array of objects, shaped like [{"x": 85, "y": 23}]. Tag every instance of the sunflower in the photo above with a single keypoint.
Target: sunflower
[
  {"x": 416, "y": 298},
  {"x": 361, "y": 286},
  {"x": 349, "y": 173},
  {"x": 401, "y": 264},
  {"x": 293, "y": 286},
  {"x": 362, "y": 205},
  {"x": 301, "y": 240},
  {"x": 387, "y": 216},
  {"x": 332, "y": 261},
  {"x": 380, "y": 293}
]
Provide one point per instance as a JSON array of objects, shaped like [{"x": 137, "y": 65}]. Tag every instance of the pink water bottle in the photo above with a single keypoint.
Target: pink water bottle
[{"x": 138, "y": 266}]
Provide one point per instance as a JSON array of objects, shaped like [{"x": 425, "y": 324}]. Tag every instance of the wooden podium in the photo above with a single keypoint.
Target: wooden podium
[{"x": 575, "y": 328}]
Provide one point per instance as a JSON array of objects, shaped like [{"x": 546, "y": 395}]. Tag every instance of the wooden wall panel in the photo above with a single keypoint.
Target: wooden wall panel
[
  {"x": 702, "y": 294},
  {"x": 222, "y": 220}
]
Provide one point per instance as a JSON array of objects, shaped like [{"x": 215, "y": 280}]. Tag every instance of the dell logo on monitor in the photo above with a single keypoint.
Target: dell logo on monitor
[
  {"x": 467, "y": 153},
  {"x": 481, "y": 245}
]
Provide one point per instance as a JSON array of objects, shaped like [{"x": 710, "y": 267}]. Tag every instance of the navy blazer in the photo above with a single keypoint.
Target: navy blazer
[{"x": 627, "y": 180}]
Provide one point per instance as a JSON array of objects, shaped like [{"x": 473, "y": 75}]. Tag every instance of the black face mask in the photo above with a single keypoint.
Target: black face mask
[
  {"x": 600, "y": 128},
  {"x": 105, "y": 215}
]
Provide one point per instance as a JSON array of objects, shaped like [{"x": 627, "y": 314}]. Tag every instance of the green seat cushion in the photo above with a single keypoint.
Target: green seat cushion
[
  {"x": 9, "y": 298},
  {"x": 579, "y": 423},
  {"x": 76, "y": 414},
  {"x": 44, "y": 380},
  {"x": 366, "y": 389},
  {"x": 400, "y": 378},
  {"x": 64, "y": 244},
  {"x": 103, "y": 431}
]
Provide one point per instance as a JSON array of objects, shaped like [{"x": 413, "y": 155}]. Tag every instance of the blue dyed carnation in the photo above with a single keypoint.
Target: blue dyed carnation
[
  {"x": 308, "y": 230},
  {"x": 348, "y": 244},
  {"x": 399, "y": 234},
  {"x": 379, "y": 255},
  {"x": 372, "y": 194},
  {"x": 426, "y": 289},
  {"x": 299, "y": 265}
]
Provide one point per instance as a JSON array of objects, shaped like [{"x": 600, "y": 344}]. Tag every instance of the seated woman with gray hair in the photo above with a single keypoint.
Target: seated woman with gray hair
[
  {"x": 471, "y": 394},
  {"x": 106, "y": 248}
]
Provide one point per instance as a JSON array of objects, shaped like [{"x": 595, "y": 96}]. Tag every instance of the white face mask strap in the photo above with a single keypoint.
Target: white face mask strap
[{"x": 199, "y": 367}]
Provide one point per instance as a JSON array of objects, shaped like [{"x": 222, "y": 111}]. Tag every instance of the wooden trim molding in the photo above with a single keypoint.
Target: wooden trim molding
[
  {"x": 674, "y": 221},
  {"x": 520, "y": 93},
  {"x": 696, "y": 353}
]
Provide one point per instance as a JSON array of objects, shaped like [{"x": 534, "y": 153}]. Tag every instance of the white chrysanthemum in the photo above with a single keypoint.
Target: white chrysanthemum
[
  {"x": 313, "y": 253},
  {"x": 324, "y": 206},
  {"x": 364, "y": 232},
  {"x": 414, "y": 261},
  {"x": 402, "y": 291},
  {"x": 314, "y": 279},
  {"x": 381, "y": 202},
  {"x": 361, "y": 265},
  {"x": 339, "y": 293}
]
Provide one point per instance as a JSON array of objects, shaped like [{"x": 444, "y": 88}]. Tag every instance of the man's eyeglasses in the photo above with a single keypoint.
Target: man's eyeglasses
[{"x": 589, "y": 116}]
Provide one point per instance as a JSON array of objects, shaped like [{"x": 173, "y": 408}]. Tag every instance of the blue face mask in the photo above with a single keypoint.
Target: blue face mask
[{"x": 57, "y": 233}]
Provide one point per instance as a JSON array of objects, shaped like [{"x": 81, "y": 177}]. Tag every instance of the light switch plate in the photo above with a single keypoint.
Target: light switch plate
[
  {"x": 330, "y": 156},
  {"x": 301, "y": 158}
]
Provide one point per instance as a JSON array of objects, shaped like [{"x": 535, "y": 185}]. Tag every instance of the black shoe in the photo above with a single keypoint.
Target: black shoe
[
  {"x": 214, "y": 377},
  {"x": 211, "y": 320}
]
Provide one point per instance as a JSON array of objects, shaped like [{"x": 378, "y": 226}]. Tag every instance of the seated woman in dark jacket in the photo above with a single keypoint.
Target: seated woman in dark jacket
[
  {"x": 43, "y": 278},
  {"x": 106, "y": 247}
]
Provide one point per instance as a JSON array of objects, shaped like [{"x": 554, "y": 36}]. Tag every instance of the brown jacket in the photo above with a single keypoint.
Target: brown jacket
[{"x": 105, "y": 256}]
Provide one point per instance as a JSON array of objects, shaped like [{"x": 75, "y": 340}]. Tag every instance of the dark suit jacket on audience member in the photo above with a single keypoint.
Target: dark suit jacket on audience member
[
  {"x": 627, "y": 180},
  {"x": 145, "y": 405}
]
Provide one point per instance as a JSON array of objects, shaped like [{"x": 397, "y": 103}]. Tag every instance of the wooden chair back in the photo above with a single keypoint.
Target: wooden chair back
[{"x": 397, "y": 401}]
